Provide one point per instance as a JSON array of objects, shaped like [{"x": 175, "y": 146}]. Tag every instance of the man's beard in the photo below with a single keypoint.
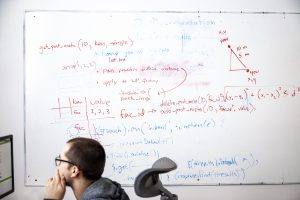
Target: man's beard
[{"x": 69, "y": 183}]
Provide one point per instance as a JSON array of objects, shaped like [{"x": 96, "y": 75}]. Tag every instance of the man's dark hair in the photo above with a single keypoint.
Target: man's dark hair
[{"x": 88, "y": 155}]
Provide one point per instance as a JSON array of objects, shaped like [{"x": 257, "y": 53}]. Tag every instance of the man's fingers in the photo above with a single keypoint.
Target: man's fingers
[
  {"x": 57, "y": 176},
  {"x": 55, "y": 187},
  {"x": 49, "y": 181}
]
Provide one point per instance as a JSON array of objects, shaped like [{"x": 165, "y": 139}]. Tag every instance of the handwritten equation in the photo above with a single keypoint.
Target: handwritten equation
[{"x": 233, "y": 99}]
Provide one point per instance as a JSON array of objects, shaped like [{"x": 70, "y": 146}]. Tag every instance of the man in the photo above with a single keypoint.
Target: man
[{"x": 80, "y": 166}]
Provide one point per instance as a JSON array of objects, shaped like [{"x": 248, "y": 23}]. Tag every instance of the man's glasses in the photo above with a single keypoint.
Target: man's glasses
[{"x": 58, "y": 161}]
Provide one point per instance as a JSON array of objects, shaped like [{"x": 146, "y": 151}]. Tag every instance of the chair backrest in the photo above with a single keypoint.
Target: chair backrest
[{"x": 148, "y": 184}]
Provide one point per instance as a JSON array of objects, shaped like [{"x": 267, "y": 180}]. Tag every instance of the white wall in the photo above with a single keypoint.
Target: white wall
[{"x": 11, "y": 84}]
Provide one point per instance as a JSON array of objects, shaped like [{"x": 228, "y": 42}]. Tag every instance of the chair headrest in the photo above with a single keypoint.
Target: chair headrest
[
  {"x": 147, "y": 183},
  {"x": 164, "y": 165}
]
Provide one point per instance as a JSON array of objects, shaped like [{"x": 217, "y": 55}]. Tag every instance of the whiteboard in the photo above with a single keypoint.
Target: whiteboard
[{"x": 218, "y": 93}]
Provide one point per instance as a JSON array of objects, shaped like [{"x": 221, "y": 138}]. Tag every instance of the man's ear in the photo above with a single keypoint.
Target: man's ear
[{"x": 74, "y": 171}]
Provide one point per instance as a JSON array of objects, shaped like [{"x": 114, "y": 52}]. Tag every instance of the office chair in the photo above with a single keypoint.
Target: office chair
[{"x": 147, "y": 183}]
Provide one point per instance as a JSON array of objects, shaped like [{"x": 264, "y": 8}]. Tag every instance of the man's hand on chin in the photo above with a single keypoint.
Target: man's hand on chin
[{"x": 55, "y": 187}]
